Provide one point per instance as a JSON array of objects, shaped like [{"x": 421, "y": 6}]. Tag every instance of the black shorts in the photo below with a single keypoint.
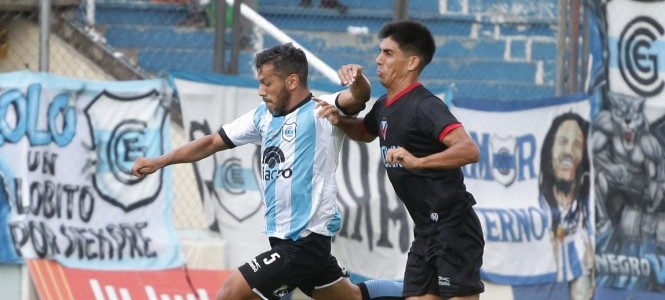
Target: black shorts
[
  {"x": 447, "y": 262},
  {"x": 306, "y": 264}
]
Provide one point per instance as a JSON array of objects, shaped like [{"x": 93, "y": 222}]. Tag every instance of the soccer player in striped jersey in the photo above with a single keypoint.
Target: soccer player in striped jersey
[
  {"x": 300, "y": 154},
  {"x": 423, "y": 147}
]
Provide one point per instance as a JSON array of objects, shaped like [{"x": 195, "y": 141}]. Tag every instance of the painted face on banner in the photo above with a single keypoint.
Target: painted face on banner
[
  {"x": 272, "y": 88},
  {"x": 568, "y": 150}
]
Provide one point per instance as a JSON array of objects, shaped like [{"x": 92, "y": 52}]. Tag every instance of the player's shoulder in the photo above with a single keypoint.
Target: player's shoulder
[{"x": 329, "y": 98}]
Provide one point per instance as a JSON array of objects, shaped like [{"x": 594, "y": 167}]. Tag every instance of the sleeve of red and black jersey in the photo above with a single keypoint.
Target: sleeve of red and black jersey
[
  {"x": 435, "y": 119},
  {"x": 370, "y": 122}
]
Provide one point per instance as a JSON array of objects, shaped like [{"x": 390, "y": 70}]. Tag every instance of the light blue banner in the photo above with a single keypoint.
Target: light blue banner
[{"x": 66, "y": 188}]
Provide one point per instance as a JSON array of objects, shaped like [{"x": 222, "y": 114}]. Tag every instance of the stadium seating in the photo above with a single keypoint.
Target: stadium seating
[{"x": 502, "y": 49}]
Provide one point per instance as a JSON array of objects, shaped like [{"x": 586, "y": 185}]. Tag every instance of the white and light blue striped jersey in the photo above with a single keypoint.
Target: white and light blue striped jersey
[{"x": 299, "y": 158}]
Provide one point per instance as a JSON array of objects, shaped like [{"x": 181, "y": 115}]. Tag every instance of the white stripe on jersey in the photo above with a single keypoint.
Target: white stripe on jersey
[{"x": 300, "y": 154}]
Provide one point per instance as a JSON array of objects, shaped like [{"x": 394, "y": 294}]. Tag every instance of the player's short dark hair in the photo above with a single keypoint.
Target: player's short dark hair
[
  {"x": 412, "y": 37},
  {"x": 286, "y": 59}
]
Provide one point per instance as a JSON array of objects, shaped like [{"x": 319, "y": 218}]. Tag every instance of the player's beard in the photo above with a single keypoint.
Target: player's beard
[{"x": 283, "y": 101}]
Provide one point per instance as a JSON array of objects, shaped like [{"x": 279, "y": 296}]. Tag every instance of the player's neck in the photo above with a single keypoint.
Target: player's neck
[
  {"x": 399, "y": 85},
  {"x": 297, "y": 97}
]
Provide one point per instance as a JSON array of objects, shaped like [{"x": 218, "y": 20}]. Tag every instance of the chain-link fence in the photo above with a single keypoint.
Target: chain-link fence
[{"x": 498, "y": 49}]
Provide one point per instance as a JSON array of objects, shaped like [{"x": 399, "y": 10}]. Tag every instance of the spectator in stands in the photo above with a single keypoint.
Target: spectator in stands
[
  {"x": 300, "y": 155},
  {"x": 196, "y": 14},
  {"x": 332, "y": 4},
  {"x": 424, "y": 148}
]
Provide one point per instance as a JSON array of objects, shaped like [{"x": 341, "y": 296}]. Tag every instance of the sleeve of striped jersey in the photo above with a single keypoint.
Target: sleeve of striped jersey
[
  {"x": 332, "y": 100},
  {"x": 435, "y": 119},
  {"x": 243, "y": 130}
]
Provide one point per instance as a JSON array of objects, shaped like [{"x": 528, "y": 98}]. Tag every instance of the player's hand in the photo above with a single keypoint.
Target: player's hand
[
  {"x": 349, "y": 73},
  {"x": 144, "y": 166},
  {"x": 328, "y": 111},
  {"x": 403, "y": 157}
]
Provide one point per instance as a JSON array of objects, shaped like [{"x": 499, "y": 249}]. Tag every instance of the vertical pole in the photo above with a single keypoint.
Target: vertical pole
[
  {"x": 573, "y": 67},
  {"x": 586, "y": 47},
  {"x": 400, "y": 10},
  {"x": 44, "y": 34},
  {"x": 220, "y": 29},
  {"x": 561, "y": 47},
  {"x": 236, "y": 34}
]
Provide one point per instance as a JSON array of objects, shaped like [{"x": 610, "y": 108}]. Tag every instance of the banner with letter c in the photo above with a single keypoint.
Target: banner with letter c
[{"x": 66, "y": 189}]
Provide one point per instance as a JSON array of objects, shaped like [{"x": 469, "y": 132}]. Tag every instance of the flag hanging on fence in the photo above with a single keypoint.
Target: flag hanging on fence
[{"x": 66, "y": 189}]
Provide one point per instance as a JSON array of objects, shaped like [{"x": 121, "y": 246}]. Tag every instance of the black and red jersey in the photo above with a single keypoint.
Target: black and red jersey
[{"x": 417, "y": 120}]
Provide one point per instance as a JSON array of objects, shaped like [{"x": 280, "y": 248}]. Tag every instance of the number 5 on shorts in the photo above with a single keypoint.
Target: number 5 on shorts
[{"x": 273, "y": 257}]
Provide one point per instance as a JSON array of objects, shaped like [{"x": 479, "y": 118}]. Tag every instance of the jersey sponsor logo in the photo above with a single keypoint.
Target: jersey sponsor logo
[
  {"x": 272, "y": 158},
  {"x": 289, "y": 132},
  {"x": 383, "y": 129},
  {"x": 281, "y": 291},
  {"x": 384, "y": 153}
]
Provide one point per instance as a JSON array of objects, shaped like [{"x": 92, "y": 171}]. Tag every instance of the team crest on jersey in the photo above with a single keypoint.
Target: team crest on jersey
[
  {"x": 289, "y": 132},
  {"x": 383, "y": 128}
]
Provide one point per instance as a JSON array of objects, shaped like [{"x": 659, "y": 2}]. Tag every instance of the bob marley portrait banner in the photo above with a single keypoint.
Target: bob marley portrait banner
[{"x": 532, "y": 186}]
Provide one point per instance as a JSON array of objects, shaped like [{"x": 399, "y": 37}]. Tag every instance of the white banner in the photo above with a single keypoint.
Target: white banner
[
  {"x": 636, "y": 41},
  {"x": 527, "y": 234},
  {"x": 67, "y": 192}
]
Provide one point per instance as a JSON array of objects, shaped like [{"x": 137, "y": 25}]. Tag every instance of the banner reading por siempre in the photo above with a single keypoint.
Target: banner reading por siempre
[{"x": 66, "y": 188}]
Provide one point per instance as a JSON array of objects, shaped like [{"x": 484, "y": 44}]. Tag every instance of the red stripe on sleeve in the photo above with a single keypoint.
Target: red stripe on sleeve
[{"x": 448, "y": 129}]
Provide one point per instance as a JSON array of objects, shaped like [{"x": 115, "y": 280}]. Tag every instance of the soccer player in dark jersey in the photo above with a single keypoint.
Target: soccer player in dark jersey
[
  {"x": 300, "y": 158},
  {"x": 423, "y": 147}
]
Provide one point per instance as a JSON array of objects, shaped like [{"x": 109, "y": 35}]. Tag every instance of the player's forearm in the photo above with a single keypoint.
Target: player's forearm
[
  {"x": 361, "y": 91},
  {"x": 352, "y": 100},
  {"x": 456, "y": 156},
  {"x": 355, "y": 129},
  {"x": 193, "y": 151}
]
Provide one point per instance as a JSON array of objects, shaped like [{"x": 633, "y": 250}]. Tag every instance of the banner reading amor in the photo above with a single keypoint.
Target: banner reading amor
[
  {"x": 66, "y": 190},
  {"x": 532, "y": 186}
]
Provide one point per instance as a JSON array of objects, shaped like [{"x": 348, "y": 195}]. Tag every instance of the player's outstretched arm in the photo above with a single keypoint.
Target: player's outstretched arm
[
  {"x": 193, "y": 151},
  {"x": 352, "y": 127},
  {"x": 352, "y": 101}
]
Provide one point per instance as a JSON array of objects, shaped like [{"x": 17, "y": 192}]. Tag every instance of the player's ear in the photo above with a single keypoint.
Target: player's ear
[
  {"x": 292, "y": 81},
  {"x": 414, "y": 62}
]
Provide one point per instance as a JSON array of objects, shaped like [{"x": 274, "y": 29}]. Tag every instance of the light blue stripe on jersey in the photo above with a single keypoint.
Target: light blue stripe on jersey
[
  {"x": 335, "y": 222},
  {"x": 272, "y": 138},
  {"x": 301, "y": 182}
]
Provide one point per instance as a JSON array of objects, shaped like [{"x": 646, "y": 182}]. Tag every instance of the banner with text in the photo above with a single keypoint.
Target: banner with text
[
  {"x": 66, "y": 189},
  {"x": 629, "y": 161},
  {"x": 376, "y": 230},
  {"x": 532, "y": 186}
]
